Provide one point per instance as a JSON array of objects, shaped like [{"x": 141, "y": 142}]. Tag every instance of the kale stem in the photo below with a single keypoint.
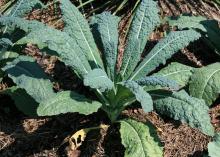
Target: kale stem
[{"x": 102, "y": 97}]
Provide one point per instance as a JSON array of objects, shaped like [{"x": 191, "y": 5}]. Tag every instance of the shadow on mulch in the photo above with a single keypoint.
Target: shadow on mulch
[
  {"x": 31, "y": 137},
  {"x": 27, "y": 137},
  {"x": 195, "y": 7},
  {"x": 38, "y": 137},
  {"x": 179, "y": 140}
]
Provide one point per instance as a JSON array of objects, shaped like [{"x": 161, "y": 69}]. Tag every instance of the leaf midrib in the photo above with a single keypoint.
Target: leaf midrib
[
  {"x": 54, "y": 101},
  {"x": 17, "y": 8},
  {"x": 141, "y": 67},
  {"x": 6, "y": 27},
  {"x": 103, "y": 76},
  {"x": 91, "y": 52},
  {"x": 31, "y": 79},
  {"x": 136, "y": 132},
  {"x": 142, "y": 20},
  {"x": 137, "y": 39},
  {"x": 78, "y": 58},
  {"x": 206, "y": 83}
]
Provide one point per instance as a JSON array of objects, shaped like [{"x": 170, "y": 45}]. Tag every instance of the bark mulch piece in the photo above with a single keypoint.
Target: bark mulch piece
[
  {"x": 179, "y": 140},
  {"x": 196, "y": 7},
  {"x": 22, "y": 136},
  {"x": 215, "y": 117}
]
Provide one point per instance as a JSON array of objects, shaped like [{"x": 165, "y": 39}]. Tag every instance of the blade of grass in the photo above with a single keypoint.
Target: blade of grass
[
  {"x": 85, "y": 3},
  {"x": 80, "y": 3},
  {"x": 120, "y": 7},
  {"x": 6, "y": 6},
  {"x": 98, "y": 8}
]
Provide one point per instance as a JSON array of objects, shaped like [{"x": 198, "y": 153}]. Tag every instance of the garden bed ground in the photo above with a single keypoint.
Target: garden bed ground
[{"x": 22, "y": 136}]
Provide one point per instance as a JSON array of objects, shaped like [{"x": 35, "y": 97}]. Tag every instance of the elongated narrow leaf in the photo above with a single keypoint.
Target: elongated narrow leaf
[
  {"x": 62, "y": 44},
  {"x": 180, "y": 106},
  {"x": 144, "y": 22},
  {"x": 105, "y": 27},
  {"x": 16, "y": 22},
  {"x": 67, "y": 101},
  {"x": 78, "y": 28},
  {"x": 187, "y": 21},
  {"x": 22, "y": 7},
  {"x": 164, "y": 50},
  {"x": 28, "y": 75},
  {"x": 157, "y": 82},
  {"x": 210, "y": 28},
  {"x": 130, "y": 59},
  {"x": 140, "y": 140},
  {"x": 214, "y": 146},
  {"x": 140, "y": 94},
  {"x": 178, "y": 72},
  {"x": 205, "y": 83},
  {"x": 98, "y": 79},
  {"x": 24, "y": 102}
]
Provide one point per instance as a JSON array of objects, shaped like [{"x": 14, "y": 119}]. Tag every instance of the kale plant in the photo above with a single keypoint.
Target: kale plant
[
  {"x": 8, "y": 37},
  {"x": 92, "y": 54},
  {"x": 208, "y": 28},
  {"x": 201, "y": 82},
  {"x": 9, "y": 50}
]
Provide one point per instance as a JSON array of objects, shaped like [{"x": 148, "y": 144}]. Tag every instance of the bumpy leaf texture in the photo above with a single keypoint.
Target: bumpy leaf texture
[
  {"x": 62, "y": 45},
  {"x": 187, "y": 21},
  {"x": 140, "y": 140},
  {"x": 67, "y": 101},
  {"x": 164, "y": 50},
  {"x": 209, "y": 27},
  {"x": 22, "y": 7},
  {"x": 178, "y": 72},
  {"x": 16, "y": 22},
  {"x": 144, "y": 21},
  {"x": 78, "y": 28},
  {"x": 205, "y": 83},
  {"x": 140, "y": 94},
  {"x": 157, "y": 82},
  {"x": 28, "y": 75},
  {"x": 180, "y": 106},
  {"x": 5, "y": 43},
  {"x": 214, "y": 146},
  {"x": 105, "y": 28},
  {"x": 98, "y": 79}
]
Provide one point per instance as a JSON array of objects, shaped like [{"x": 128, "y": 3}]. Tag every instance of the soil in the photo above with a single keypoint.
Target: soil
[{"x": 22, "y": 136}]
